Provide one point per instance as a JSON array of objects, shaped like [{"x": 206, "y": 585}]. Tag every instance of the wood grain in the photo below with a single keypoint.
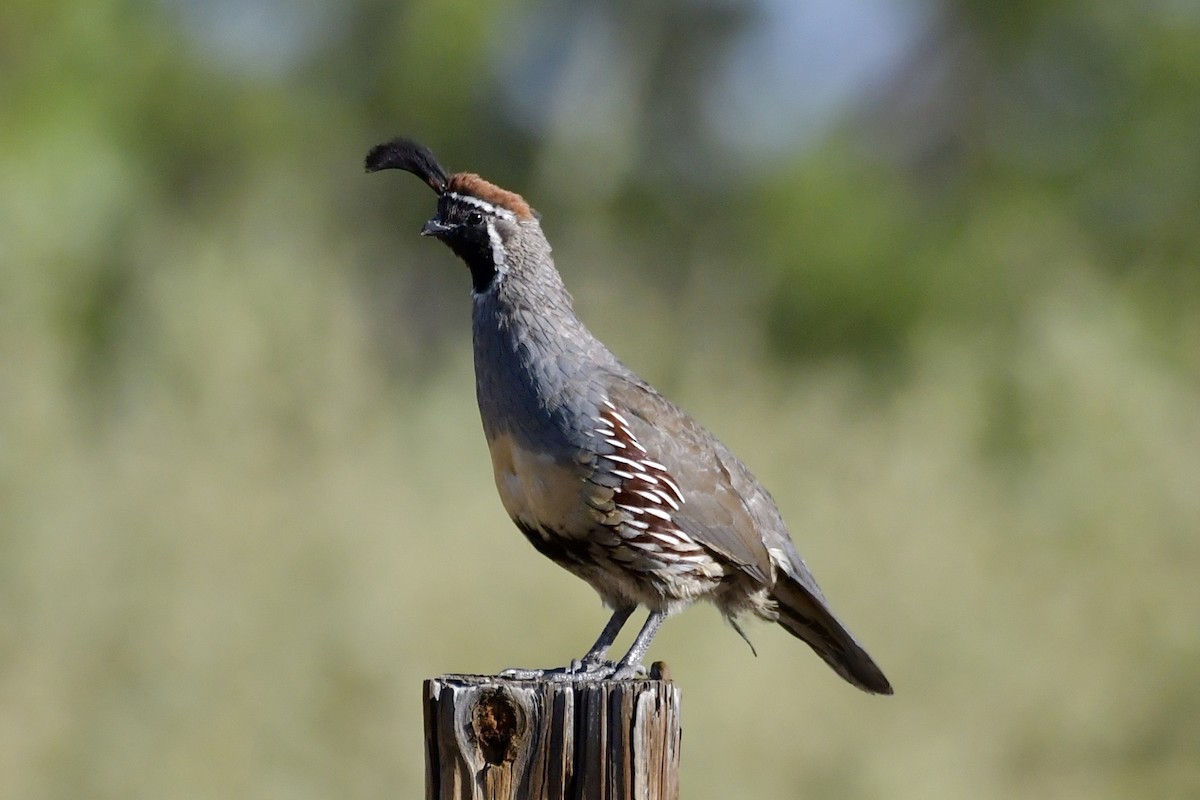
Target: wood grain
[{"x": 493, "y": 738}]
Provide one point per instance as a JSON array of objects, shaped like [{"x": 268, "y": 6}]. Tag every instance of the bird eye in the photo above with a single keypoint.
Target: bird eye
[{"x": 474, "y": 218}]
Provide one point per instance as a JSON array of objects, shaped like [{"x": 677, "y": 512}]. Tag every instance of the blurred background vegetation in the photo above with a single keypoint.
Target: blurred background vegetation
[{"x": 929, "y": 267}]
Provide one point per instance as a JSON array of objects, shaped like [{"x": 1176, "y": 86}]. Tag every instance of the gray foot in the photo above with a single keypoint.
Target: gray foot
[
  {"x": 593, "y": 670},
  {"x": 624, "y": 672}
]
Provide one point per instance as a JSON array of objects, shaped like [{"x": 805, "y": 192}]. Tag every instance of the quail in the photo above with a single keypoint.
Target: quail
[{"x": 601, "y": 473}]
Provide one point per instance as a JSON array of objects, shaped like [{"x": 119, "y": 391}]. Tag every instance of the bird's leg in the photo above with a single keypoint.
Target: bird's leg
[
  {"x": 592, "y": 665},
  {"x": 594, "y": 659},
  {"x": 631, "y": 665}
]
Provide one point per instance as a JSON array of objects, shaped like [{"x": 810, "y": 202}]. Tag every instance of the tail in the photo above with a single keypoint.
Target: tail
[{"x": 805, "y": 615}]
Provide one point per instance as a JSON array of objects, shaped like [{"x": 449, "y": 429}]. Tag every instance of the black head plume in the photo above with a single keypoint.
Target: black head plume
[{"x": 411, "y": 157}]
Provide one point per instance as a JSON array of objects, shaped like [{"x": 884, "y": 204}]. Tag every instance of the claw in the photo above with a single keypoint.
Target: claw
[
  {"x": 595, "y": 666},
  {"x": 624, "y": 672},
  {"x": 518, "y": 674}
]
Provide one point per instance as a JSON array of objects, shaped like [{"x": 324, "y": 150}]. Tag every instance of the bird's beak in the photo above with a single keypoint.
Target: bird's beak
[{"x": 435, "y": 227}]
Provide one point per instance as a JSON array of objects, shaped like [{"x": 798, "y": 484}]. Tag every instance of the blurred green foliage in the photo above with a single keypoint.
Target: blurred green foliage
[{"x": 244, "y": 502}]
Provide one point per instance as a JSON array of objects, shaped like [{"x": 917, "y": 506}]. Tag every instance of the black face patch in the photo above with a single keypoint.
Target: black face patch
[{"x": 467, "y": 236}]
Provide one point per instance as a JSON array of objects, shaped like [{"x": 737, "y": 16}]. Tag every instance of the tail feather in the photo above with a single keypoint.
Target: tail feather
[{"x": 806, "y": 617}]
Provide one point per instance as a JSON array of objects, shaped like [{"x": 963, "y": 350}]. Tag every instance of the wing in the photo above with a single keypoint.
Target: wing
[{"x": 714, "y": 484}]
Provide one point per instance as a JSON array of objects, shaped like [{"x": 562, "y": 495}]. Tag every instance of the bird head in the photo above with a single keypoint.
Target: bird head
[{"x": 478, "y": 220}]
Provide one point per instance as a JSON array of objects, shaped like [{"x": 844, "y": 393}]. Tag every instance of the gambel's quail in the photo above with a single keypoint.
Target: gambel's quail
[{"x": 603, "y": 475}]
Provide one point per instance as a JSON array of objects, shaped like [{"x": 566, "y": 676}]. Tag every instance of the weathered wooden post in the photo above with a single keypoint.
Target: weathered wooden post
[{"x": 492, "y": 738}]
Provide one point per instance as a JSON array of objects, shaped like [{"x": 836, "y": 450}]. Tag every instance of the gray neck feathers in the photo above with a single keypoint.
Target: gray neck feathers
[{"x": 534, "y": 359}]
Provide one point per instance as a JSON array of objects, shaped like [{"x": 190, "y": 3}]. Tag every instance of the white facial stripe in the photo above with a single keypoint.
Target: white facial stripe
[
  {"x": 499, "y": 260},
  {"x": 499, "y": 255},
  {"x": 482, "y": 205}
]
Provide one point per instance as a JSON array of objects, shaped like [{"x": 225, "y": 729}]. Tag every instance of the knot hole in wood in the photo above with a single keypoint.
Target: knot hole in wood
[{"x": 499, "y": 726}]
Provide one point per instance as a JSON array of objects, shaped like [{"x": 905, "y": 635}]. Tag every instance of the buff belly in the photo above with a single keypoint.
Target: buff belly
[{"x": 572, "y": 520}]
